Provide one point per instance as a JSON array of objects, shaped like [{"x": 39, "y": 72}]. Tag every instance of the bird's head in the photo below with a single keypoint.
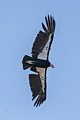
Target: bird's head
[{"x": 51, "y": 65}]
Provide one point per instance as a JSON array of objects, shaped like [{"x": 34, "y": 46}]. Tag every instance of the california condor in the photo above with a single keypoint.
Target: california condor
[{"x": 39, "y": 62}]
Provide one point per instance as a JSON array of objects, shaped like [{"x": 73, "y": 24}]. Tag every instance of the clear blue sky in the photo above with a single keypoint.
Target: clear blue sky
[{"x": 20, "y": 21}]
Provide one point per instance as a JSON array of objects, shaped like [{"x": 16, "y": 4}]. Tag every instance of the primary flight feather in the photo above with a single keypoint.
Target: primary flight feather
[{"x": 39, "y": 62}]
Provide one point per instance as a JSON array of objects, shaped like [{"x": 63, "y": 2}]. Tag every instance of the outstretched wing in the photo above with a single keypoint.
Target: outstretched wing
[
  {"x": 42, "y": 44},
  {"x": 38, "y": 86}
]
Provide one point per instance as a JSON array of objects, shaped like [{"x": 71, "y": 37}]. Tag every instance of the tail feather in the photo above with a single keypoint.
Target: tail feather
[{"x": 25, "y": 64}]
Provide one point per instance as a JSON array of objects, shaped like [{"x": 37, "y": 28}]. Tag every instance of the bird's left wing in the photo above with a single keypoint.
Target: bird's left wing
[
  {"x": 42, "y": 43},
  {"x": 38, "y": 86}
]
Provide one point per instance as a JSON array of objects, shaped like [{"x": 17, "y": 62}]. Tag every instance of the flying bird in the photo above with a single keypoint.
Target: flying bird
[{"x": 39, "y": 62}]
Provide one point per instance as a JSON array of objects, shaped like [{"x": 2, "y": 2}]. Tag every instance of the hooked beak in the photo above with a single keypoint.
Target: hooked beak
[{"x": 51, "y": 65}]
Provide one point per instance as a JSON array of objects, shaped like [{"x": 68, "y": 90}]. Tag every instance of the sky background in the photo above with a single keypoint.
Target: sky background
[{"x": 20, "y": 21}]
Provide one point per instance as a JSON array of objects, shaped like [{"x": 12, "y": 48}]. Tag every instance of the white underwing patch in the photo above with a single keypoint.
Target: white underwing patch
[
  {"x": 43, "y": 54},
  {"x": 41, "y": 72}
]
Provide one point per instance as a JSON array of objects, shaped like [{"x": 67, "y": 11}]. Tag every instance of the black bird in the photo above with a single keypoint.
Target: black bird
[{"x": 39, "y": 61}]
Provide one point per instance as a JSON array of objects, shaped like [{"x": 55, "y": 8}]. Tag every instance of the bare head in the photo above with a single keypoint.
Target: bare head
[{"x": 51, "y": 65}]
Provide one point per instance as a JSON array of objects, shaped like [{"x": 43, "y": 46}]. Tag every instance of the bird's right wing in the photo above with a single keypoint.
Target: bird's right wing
[{"x": 38, "y": 86}]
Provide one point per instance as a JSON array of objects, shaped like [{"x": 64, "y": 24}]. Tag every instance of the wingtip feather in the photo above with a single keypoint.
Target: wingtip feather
[{"x": 50, "y": 22}]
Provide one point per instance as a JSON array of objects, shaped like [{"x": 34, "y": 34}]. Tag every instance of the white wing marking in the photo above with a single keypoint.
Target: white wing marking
[
  {"x": 42, "y": 77},
  {"x": 29, "y": 62},
  {"x": 43, "y": 54}
]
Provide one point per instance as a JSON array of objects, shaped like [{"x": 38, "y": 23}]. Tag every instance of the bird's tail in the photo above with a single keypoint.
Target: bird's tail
[{"x": 26, "y": 62}]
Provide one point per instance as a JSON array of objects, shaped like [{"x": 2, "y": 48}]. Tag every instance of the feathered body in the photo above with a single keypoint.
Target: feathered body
[{"x": 35, "y": 62}]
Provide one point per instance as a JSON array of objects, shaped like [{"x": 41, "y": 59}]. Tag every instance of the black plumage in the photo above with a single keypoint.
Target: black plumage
[{"x": 39, "y": 62}]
